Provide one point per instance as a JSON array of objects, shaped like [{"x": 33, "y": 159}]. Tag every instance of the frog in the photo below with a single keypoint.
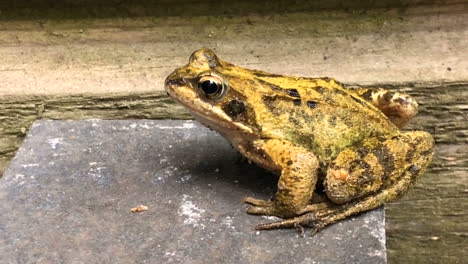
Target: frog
[{"x": 338, "y": 151}]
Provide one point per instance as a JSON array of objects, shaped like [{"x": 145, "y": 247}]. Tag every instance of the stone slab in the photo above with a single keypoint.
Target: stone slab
[{"x": 67, "y": 194}]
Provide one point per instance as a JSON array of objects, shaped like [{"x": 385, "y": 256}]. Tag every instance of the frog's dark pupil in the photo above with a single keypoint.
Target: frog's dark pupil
[{"x": 209, "y": 87}]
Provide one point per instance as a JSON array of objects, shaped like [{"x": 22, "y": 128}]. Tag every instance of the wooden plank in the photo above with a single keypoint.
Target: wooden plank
[{"x": 107, "y": 55}]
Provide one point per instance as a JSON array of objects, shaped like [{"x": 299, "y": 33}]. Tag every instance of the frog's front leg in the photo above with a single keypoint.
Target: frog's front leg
[{"x": 298, "y": 167}]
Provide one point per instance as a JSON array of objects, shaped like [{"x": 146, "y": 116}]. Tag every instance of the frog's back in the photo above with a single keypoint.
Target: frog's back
[{"x": 318, "y": 113}]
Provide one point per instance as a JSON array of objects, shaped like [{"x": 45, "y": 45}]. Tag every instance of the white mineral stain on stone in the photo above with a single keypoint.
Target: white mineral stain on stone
[
  {"x": 30, "y": 165},
  {"x": 187, "y": 125},
  {"x": 163, "y": 174},
  {"x": 185, "y": 178},
  {"x": 97, "y": 169},
  {"x": 145, "y": 125},
  {"x": 18, "y": 177},
  {"x": 54, "y": 142},
  {"x": 376, "y": 253},
  {"x": 228, "y": 221},
  {"x": 191, "y": 212}
]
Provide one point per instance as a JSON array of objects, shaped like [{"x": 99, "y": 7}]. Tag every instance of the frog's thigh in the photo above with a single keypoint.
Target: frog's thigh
[
  {"x": 398, "y": 107},
  {"x": 372, "y": 165},
  {"x": 408, "y": 164},
  {"x": 298, "y": 176}
]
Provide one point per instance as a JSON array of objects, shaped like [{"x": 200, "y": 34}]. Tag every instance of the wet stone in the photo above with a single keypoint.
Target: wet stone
[{"x": 67, "y": 195}]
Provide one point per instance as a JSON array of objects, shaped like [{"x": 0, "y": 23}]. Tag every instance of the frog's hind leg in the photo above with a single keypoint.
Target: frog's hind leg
[
  {"x": 345, "y": 210},
  {"x": 366, "y": 176},
  {"x": 376, "y": 164},
  {"x": 398, "y": 107}
]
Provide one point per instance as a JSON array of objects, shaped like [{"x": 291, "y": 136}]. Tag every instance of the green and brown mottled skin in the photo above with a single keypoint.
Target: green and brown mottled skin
[{"x": 311, "y": 131}]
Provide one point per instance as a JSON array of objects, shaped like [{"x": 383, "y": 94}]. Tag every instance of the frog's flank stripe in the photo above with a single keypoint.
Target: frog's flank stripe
[
  {"x": 272, "y": 86},
  {"x": 267, "y": 74},
  {"x": 367, "y": 95},
  {"x": 290, "y": 92}
]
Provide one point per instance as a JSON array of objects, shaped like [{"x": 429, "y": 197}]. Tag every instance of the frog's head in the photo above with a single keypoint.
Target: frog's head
[{"x": 214, "y": 91}]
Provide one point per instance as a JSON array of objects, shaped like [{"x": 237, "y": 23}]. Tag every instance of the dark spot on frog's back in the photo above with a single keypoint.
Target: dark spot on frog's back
[
  {"x": 367, "y": 95},
  {"x": 320, "y": 89},
  {"x": 293, "y": 93},
  {"x": 266, "y": 74},
  {"x": 414, "y": 169},
  {"x": 387, "y": 97},
  {"x": 311, "y": 104},
  {"x": 402, "y": 101}
]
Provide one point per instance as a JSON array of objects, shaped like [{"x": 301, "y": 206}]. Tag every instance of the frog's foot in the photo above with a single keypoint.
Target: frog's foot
[
  {"x": 317, "y": 216},
  {"x": 309, "y": 219},
  {"x": 319, "y": 209},
  {"x": 261, "y": 207}
]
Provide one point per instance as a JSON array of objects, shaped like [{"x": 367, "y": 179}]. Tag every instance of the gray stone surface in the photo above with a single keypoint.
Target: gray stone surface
[{"x": 66, "y": 198}]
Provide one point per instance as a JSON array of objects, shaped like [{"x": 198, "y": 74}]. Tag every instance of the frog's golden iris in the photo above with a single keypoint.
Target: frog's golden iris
[{"x": 311, "y": 131}]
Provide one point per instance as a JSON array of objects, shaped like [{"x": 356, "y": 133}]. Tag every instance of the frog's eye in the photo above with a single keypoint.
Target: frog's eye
[{"x": 211, "y": 86}]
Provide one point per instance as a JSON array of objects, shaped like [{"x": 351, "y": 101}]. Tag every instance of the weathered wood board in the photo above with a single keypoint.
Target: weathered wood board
[{"x": 109, "y": 60}]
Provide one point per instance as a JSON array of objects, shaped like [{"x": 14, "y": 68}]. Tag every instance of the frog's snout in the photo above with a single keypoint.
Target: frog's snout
[{"x": 173, "y": 81}]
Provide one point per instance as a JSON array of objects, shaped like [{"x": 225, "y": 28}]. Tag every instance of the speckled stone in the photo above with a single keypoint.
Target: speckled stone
[{"x": 67, "y": 195}]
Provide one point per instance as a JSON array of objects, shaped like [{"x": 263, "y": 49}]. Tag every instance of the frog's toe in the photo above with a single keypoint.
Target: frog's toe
[
  {"x": 261, "y": 210},
  {"x": 256, "y": 202},
  {"x": 299, "y": 221},
  {"x": 260, "y": 207},
  {"x": 307, "y": 220}
]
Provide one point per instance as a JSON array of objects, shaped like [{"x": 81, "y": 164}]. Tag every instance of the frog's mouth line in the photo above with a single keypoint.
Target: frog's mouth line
[{"x": 214, "y": 117}]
